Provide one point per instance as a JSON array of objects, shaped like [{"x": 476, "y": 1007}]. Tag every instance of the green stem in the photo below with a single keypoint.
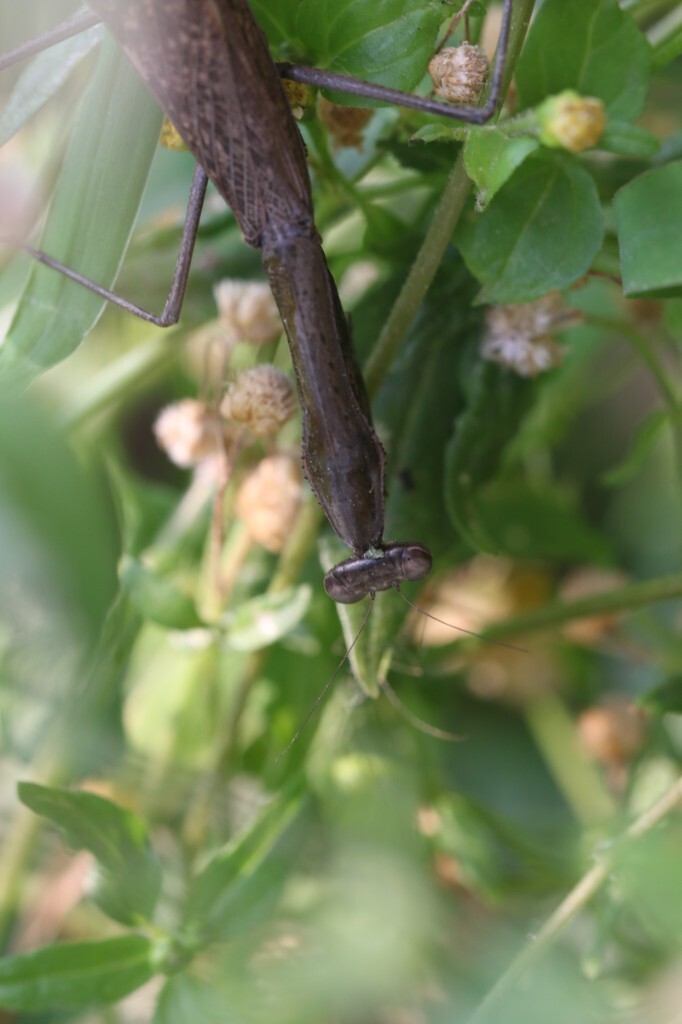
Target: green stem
[
  {"x": 437, "y": 237},
  {"x": 569, "y": 908},
  {"x": 580, "y": 782},
  {"x": 626, "y": 598}
]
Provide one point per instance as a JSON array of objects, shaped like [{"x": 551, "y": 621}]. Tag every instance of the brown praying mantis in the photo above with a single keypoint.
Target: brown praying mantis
[{"x": 208, "y": 65}]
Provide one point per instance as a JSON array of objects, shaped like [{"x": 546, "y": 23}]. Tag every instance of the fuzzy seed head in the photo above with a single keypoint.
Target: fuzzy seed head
[
  {"x": 344, "y": 124},
  {"x": 247, "y": 311},
  {"x": 519, "y": 336},
  {"x": 189, "y": 432},
  {"x": 269, "y": 499},
  {"x": 261, "y": 399},
  {"x": 571, "y": 121},
  {"x": 170, "y": 137},
  {"x": 459, "y": 73}
]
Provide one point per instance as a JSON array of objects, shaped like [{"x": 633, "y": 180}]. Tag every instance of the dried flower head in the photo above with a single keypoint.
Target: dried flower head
[
  {"x": 519, "y": 336},
  {"x": 571, "y": 121},
  {"x": 459, "y": 73},
  {"x": 247, "y": 311},
  {"x": 261, "y": 399},
  {"x": 269, "y": 499},
  {"x": 613, "y": 731},
  {"x": 170, "y": 137},
  {"x": 344, "y": 124},
  {"x": 189, "y": 432}
]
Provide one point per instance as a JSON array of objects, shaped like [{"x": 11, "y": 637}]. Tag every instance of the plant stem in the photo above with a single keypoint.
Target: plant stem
[
  {"x": 437, "y": 238},
  {"x": 554, "y": 732},
  {"x": 626, "y": 598},
  {"x": 576, "y": 900}
]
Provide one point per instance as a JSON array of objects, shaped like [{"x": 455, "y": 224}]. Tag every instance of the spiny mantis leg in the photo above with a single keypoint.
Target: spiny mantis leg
[
  {"x": 356, "y": 87},
  {"x": 176, "y": 295},
  {"x": 295, "y": 72}
]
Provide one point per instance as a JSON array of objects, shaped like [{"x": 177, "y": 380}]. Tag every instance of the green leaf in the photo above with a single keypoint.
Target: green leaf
[
  {"x": 239, "y": 885},
  {"x": 43, "y": 77},
  {"x": 75, "y": 975},
  {"x": 156, "y": 597},
  {"x": 540, "y": 232},
  {"x": 387, "y": 41},
  {"x": 497, "y": 403},
  {"x": 664, "y": 698},
  {"x": 491, "y": 157},
  {"x": 628, "y": 140},
  {"x": 91, "y": 217},
  {"x": 527, "y": 522},
  {"x": 646, "y": 437},
  {"x": 649, "y": 235},
  {"x": 131, "y": 876},
  {"x": 202, "y": 1000},
  {"x": 266, "y": 619},
  {"x": 591, "y": 46}
]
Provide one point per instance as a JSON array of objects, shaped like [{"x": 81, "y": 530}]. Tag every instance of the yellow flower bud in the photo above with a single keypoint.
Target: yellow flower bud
[
  {"x": 571, "y": 121},
  {"x": 170, "y": 137},
  {"x": 299, "y": 96}
]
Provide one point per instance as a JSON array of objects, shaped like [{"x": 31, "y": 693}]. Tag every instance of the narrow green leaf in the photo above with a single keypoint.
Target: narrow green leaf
[
  {"x": 43, "y": 77},
  {"x": 591, "y": 46},
  {"x": 76, "y": 975},
  {"x": 540, "y": 232},
  {"x": 646, "y": 437},
  {"x": 491, "y": 157},
  {"x": 265, "y": 619},
  {"x": 156, "y": 597},
  {"x": 649, "y": 235},
  {"x": 131, "y": 876},
  {"x": 91, "y": 218},
  {"x": 241, "y": 882}
]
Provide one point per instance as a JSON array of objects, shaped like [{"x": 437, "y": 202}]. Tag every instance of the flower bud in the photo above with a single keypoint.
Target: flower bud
[
  {"x": 571, "y": 121},
  {"x": 298, "y": 95},
  {"x": 247, "y": 311},
  {"x": 269, "y": 499},
  {"x": 170, "y": 137},
  {"x": 261, "y": 399},
  {"x": 344, "y": 124},
  {"x": 459, "y": 73},
  {"x": 189, "y": 432}
]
